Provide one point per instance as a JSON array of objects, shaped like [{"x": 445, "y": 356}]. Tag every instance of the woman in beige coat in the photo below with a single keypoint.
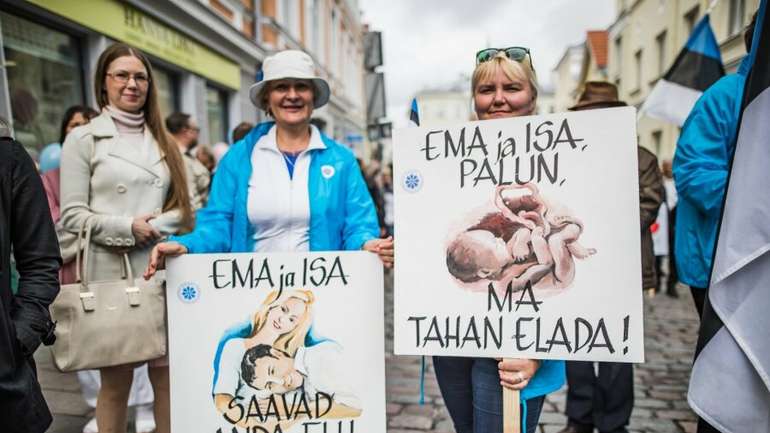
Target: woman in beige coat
[{"x": 124, "y": 173}]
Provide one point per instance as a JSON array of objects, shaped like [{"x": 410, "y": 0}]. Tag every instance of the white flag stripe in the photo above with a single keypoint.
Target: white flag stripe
[
  {"x": 740, "y": 290},
  {"x": 735, "y": 363},
  {"x": 745, "y": 232},
  {"x": 728, "y": 394},
  {"x": 669, "y": 101}
]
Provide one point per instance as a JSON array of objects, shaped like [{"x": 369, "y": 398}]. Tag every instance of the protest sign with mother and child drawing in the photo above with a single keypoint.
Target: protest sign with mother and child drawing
[{"x": 276, "y": 343}]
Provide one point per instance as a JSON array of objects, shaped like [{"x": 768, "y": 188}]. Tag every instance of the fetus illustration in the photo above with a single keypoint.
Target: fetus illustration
[{"x": 523, "y": 239}]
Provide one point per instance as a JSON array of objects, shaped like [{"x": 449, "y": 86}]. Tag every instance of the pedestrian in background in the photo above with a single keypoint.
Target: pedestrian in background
[
  {"x": 124, "y": 174},
  {"x": 241, "y": 130},
  {"x": 75, "y": 116},
  {"x": 370, "y": 177},
  {"x": 387, "y": 199},
  {"x": 25, "y": 227},
  {"x": 605, "y": 401},
  {"x": 672, "y": 278},
  {"x": 700, "y": 168},
  {"x": 503, "y": 85},
  {"x": 185, "y": 132},
  {"x": 205, "y": 155}
]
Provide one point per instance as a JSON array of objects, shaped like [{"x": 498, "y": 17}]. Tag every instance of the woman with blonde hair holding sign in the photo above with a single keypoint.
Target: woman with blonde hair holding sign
[{"x": 503, "y": 85}]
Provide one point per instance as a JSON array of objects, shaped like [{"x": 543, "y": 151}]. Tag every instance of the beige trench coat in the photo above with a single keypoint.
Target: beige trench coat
[{"x": 113, "y": 182}]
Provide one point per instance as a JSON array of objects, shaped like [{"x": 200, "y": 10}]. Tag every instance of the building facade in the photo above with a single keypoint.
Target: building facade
[
  {"x": 645, "y": 40},
  {"x": 565, "y": 77},
  {"x": 332, "y": 33},
  {"x": 205, "y": 55},
  {"x": 441, "y": 107},
  {"x": 594, "y": 66}
]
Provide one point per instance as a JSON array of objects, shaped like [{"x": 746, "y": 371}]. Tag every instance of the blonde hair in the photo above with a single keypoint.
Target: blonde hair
[
  {"x": 290, "y": 341},
  {"x": 512, "y": 69}
]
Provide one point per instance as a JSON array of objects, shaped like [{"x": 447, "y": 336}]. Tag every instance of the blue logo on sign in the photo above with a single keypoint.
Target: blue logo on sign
[
  {"x": 189, "y": 292},
  {"x": 412, "y": 181}
]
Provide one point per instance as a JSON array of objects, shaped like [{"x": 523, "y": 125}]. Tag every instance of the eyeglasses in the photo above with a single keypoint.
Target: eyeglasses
[
  {"x": 517, "y": 54},
  {"x": 123, "y": 77}
]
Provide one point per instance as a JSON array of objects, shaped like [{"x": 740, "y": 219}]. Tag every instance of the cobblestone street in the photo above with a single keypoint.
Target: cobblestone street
[{"x": 661, "y": 383}]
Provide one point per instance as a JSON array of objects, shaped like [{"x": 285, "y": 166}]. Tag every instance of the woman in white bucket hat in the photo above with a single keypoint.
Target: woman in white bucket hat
[{"x": 285, "y": 186}]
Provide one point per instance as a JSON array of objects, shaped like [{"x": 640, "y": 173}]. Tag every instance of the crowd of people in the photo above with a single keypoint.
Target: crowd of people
[{"x": 147, "y": 190}]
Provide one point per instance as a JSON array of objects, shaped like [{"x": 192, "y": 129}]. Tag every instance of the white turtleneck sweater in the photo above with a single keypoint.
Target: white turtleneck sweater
[{"x": 131, "y": 131}]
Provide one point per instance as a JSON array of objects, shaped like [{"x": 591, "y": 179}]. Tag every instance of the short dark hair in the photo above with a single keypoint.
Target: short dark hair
[
  {"x": 241, "y": 130},
  {"x": 87, "y": 112},
  {"x": 248, "y": 373},
  {"x": 748, "y": 36},
  {"x": 177, "y": 121}
]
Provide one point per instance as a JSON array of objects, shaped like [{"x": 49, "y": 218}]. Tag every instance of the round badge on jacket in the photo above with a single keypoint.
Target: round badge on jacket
[{"x": 327, "y": 171}]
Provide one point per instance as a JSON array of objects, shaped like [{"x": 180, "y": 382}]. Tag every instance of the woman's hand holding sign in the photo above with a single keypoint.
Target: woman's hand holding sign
[
  {"x": 383, "y": 248},
  {"x": 516, "y": 373},
  {"x": 158, "y": 256}
]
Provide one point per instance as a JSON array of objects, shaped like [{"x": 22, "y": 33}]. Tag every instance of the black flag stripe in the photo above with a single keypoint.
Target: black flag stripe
[{"x": 695, "y": 70}]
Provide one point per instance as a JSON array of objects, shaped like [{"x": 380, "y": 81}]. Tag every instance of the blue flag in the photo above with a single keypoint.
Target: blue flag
[{"x": 414, "y": 113}]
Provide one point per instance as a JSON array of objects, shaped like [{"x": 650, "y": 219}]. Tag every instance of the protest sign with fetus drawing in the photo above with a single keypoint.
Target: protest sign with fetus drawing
[
  {"x": 520, "y": 238},
  {"x": 276, "y": 343}
]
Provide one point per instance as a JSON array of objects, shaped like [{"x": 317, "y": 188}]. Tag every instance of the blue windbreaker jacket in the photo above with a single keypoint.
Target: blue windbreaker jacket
[
  {"x": 701, "y": 164},
  {"x": 342, "y": 214}
]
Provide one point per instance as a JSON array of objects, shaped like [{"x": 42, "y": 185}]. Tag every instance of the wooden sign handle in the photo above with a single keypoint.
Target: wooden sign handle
[{"x": 511, "y": 411}]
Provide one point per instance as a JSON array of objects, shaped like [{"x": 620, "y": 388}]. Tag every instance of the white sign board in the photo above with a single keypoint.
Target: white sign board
[
  {"x": 520, "y": 237},
  {"x": 276, "y": 343}
]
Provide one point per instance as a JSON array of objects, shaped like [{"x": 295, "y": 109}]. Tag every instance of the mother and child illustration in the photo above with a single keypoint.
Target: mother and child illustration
[
  {"x": 274, "y": 357},
  {"x": 523, "y": 238}
]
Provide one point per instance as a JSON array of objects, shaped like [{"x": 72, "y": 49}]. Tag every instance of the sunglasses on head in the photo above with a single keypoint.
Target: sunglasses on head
[{"x": 517, "y": 54}]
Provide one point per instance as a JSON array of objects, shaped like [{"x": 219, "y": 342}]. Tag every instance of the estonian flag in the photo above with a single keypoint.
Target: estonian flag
[
  {"x": 414, "y": 113},
  {"x": 730, "y": 382},
  {"x": 698, "y": 66}
]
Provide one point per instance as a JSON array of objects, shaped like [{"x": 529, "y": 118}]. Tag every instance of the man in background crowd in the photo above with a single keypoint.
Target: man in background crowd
[
  {"x": 185, "y": 132},
  {"x": 604, "y": 398},
  {"x": 700, "y": 168}
]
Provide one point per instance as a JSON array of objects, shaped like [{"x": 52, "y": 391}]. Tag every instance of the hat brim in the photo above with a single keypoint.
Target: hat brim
[
  {"x": 597, "y": 104},
  {"x": 320, "y": 96}
]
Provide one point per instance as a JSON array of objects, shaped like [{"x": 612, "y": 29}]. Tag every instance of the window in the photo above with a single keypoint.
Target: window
[
  {"x": 618, "y": 59},
  {"x": 657, "y": 140},
  {"x": 166, "y": 82},
  {"x": 289, "y": 18},
  {"x": 737, "y": 11},
  {"x": 216, "y": 111},
  {"x": 44, "y": 79},
  {"x": 638, "y": 67},
  {"x": 690, "y": 19},
  {"x": 335, "y": 35},
  {"x": 315, "y": 27},
  {"x": 660, "y": 43}
]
